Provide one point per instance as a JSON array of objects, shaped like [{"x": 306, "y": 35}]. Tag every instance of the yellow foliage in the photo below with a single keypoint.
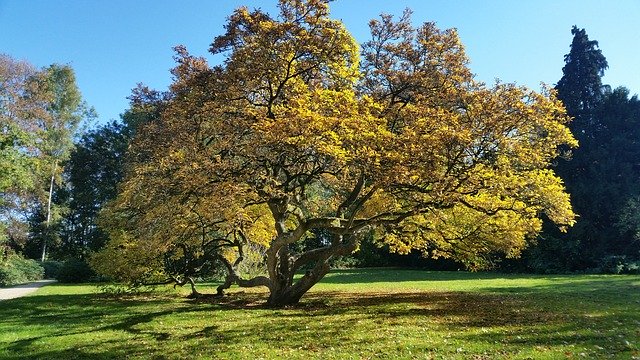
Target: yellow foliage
[{"x": 295, "y": 133}]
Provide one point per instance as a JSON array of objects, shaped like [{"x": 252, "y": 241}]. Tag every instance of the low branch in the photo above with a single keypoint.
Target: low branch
[{"x": 233, "y": 277}]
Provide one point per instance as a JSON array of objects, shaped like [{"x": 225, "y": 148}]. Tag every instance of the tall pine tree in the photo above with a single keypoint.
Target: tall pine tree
[
  {"x": 603, "y": 173},
  {"x": 580, "y": 87}
]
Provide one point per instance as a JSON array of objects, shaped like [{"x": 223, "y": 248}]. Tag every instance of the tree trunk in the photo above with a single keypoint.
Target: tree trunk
[
  {"x": 285, "y": 293},
  {"x": 284, "y": 298},
  {"x": 44, "y": 239},
  {"x": 194, "y": 293}
]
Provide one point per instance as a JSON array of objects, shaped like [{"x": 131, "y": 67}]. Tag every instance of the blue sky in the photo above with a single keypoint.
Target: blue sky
[{"x": 115, "y": 44}]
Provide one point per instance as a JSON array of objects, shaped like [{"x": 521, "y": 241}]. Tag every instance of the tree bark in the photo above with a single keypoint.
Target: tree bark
[
  {"x": 291, "y": 294},
  {"x": 44, "y": 239},
  {"x": 288, "y": 293}
]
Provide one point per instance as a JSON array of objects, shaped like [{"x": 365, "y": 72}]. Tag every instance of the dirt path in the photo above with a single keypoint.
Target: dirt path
[{"x": 22, "y": 290}]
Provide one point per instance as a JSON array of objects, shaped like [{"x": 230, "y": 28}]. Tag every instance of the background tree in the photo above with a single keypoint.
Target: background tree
[
  {"x": 94, "y": 169},
  {"x": 91, "y": 174},
  {"x": 15, "y": 141},
  {"x": 601, "y": 175},
  {"x": 580, "y": 87},
  {"x": 40, "y": 111},
  {"x": 65, "y": 110},
  {"x": 292, "y": 137},
  {"x": 615, "y": 174}
]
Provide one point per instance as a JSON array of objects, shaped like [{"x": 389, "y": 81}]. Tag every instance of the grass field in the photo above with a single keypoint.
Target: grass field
[{"x": 352, "y": 314}]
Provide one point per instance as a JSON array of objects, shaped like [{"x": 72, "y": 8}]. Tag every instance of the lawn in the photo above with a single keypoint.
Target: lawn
[{"x": 352, "y": 314}]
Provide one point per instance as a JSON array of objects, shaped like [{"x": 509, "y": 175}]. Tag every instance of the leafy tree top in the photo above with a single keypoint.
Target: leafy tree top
[
  {"x": 295, "y": 133},
  {"x": 580, "y": 87}
]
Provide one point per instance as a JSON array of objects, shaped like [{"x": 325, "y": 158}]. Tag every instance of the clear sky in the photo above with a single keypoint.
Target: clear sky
[{"x": 113, "y": 45}]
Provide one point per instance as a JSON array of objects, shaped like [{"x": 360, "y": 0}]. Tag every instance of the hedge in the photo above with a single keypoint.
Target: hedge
[{"x": 17, "y": 270}]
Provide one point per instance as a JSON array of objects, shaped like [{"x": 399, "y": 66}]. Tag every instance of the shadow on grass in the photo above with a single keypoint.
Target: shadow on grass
[
  {"x": 452, "y": 308},
  {"x": 74, "y": 353},
  {"x": 57, "y": 317},
  {"x": 133, "y": 326},
  {"x": 500, "y": 321}
]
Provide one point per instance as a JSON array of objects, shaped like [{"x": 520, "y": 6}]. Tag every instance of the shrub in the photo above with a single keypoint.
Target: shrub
[
  {"x": 9, "y": 275},
  {"x": 345, "y": 262},
  {"x": 51, "y": 268},
  {"x": 633, "y": 267},
  {"x": 75, "y": 271},
  {"x": 18, "y": 270},
  {"x": 619, "y": 265},
  {"x": 123, "y": 290}
]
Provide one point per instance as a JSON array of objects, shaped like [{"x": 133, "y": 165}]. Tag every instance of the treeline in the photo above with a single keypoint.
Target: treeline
[{"x": 56, "y": 180}]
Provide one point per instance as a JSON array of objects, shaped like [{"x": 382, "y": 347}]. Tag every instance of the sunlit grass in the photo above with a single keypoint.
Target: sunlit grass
[{"x": 352, "y": 314}]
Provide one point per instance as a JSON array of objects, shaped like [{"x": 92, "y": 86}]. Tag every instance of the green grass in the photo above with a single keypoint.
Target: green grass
[{"x": 352, "y": 314}]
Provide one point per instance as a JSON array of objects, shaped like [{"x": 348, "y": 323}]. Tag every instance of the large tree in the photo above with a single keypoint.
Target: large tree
[
  {"x": 293, "y": 136},
  {"x": 601, "y": 175}
]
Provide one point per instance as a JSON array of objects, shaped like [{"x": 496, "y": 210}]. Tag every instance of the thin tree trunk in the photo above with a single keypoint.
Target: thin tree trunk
[{"x": 44, "y": 240}]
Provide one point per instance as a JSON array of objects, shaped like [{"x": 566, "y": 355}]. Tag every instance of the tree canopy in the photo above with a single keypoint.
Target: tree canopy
[
  {"x": 297, "y": 133},
  {"x": 40, "y": 111},
  {"x": 17, "y": 139}
]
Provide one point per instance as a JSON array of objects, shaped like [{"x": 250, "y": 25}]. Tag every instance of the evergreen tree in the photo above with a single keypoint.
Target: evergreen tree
[
  {"x": 603, "y": 173},
  {"x": 615, "y": 174},
  {"x": 581, "y": 91},
  {"x": 92, "y": 174},
  {"x": 580, "y": 87},
  {"x": 93, "y": 171}
]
